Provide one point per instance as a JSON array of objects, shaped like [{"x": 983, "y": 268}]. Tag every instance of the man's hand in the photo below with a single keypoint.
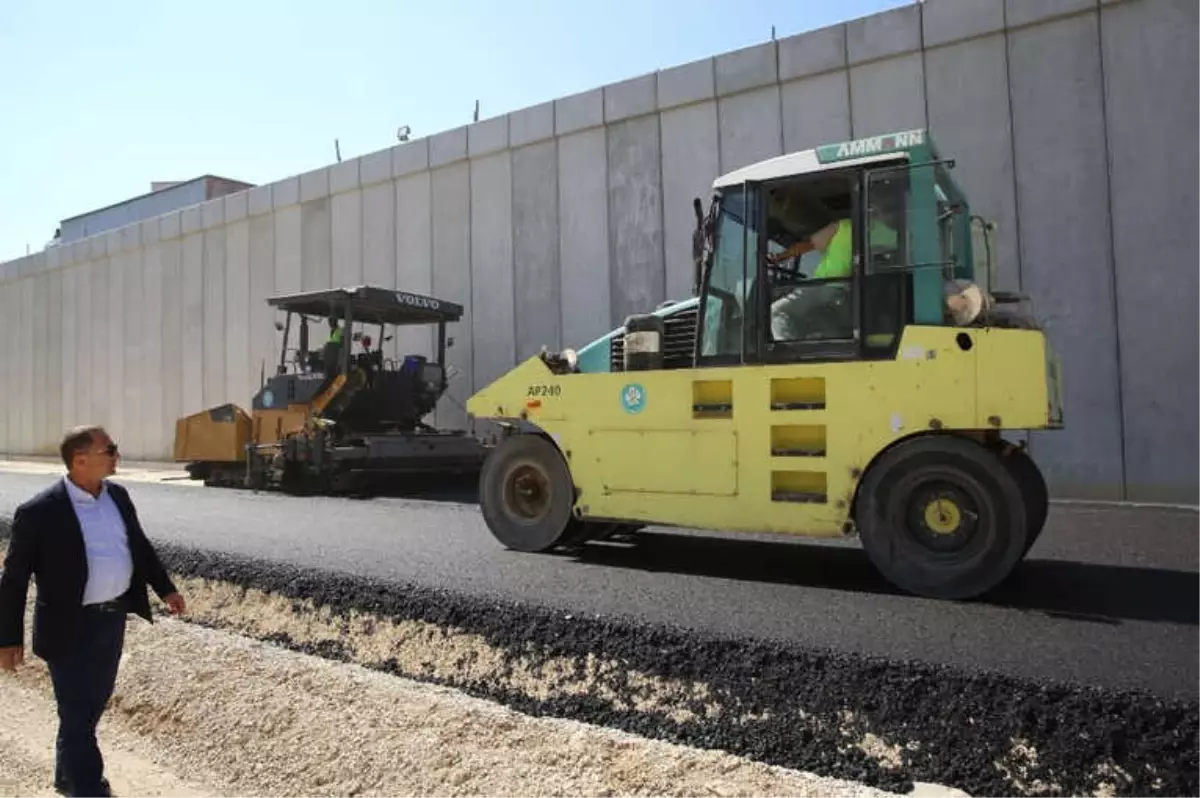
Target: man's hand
[
  {"x": 11, "y": 657},
  {"x": 175, "y": 603}
]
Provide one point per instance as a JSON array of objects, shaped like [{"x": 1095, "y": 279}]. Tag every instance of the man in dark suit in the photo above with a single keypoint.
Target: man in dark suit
[{"x": 82, "y": 542}]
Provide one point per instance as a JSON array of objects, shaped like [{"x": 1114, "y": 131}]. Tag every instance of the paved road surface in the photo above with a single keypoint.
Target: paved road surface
[{"x": 1108, "y": 596}]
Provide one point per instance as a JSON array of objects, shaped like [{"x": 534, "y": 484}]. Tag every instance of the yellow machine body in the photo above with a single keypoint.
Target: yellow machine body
[
  {"x": 220, "y": 434},
  {"x": 778, "y": 448}
]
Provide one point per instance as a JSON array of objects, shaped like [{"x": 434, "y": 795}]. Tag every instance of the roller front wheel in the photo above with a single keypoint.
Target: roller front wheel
[{"x": 942, "y": 517}]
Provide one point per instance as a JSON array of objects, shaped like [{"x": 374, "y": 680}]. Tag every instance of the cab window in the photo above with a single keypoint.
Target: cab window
[
  {"x": 810, "y": 260},
  {"x": 731, "y": 276}
]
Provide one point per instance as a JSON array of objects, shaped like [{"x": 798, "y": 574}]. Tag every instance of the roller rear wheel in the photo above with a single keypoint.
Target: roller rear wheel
[
  {"x": 942, "y": 517},
  {"x": 526, "y": 494}
]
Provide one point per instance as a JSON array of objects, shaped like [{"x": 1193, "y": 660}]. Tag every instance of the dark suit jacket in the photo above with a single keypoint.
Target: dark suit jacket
[{"x": 47, "y": 543}]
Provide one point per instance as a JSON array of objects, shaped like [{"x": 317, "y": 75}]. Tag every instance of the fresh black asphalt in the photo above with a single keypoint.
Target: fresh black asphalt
[{"x": 1108, "y": 597}]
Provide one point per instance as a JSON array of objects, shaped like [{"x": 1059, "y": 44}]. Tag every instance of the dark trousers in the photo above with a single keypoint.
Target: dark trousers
[{"x": 83, "y": 682}]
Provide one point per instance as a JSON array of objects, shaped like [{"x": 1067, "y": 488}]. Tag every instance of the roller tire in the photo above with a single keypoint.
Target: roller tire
[
  {"x": 942, "y": 517},
  {"x": 1033, "y": 489},
  {"x": 526, "y": 494}
]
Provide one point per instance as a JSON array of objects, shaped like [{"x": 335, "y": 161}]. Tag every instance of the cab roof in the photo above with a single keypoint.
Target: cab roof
[
  {"x": 855, "y": 152},
  {"x": 370, "y": 305}
]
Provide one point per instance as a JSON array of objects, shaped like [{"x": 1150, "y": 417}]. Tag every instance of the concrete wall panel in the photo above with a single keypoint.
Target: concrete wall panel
[
  {"x": 85, "y": 332},
  {"x": 812, "y": 53},
  {"x": 884, "y": 35},
  {"x": 748, "y": 68},
  {"x": 531, "y": 124},
  {"x": 630, "y": 98},
  {"x": 887, "y": 95},
  {"x": 264, "y": 339},
  {"x": 238, "y": 387},
  {"x": 410, "y": 157},
  {"x": 967, "y": 86},
  {"x": 414, "y": 256},
  {"x": 487, "y": 137},
  {"x": 491, "y": 306},
  {"x": 579, "y": 112},
  {"x": 192, "y": 341},
  {"x": 54, "y": 360},
  {"x": 583, "y": 237},
  {"x": 289, "y": 274},
  {"x": 635, "y": 223},
  {"x": 344, "y": 176},
  {"x": 26, "y": 390},
  {"x": 156, "y": 430},
  {"x": 951, "y": 20},
  {"x": 1062, "y": 196},
  {"x": 451, "y": 191},
  {"x": 134, "y": 333},
  {"x": 1025, "y": 12},
  {"x": 214, "y": 318},
  {"x": 379, "y": 234},
  {"x": 690, "y": 163},
  {"x": 687, "y": 83},
  {"x": 347, "y": 238},
  {"x": 375, "y": 167},
  {"x": 447, "y": 147},
  {"x": 537, "y": 278},
  {"x": 174, "y": 373},
  {"x": 816, "y": 111},
  {"x": 316, "y": 249},
  {"x": 379, "y": 242},
  {"x": 1154, "y": 206},
  {"x": 40, "y": 323},
  {"x": 6, "y": 363},
  {"x": 314, "y": 185},
  {"x": 113, "y": 284},
  {"x": 751, "y": 128},
  {"x": 70, "y": 345}
]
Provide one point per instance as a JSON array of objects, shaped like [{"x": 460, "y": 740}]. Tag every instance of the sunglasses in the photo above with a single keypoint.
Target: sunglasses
[{"x": 111, "y": 450}]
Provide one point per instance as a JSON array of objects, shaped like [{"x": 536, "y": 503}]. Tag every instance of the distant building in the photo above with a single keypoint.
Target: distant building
[{"x": 164, "y": 197}]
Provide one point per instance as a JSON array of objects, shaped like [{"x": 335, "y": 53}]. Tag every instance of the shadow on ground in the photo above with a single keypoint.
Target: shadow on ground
[{"x": 1100, "y": 593}]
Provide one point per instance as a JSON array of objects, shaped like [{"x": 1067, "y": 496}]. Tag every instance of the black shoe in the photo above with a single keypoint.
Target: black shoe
[{"x": 62, "y": 788}]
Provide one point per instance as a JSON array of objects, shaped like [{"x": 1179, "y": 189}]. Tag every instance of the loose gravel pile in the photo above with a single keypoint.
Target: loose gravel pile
[
  {"x": 873, "y": 721},
  {"x": 883, "y": 723},
  {"x": 239, "y": 717}
]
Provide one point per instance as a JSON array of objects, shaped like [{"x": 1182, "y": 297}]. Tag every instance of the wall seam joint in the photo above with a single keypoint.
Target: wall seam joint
[
  {"x": 512, "y": 243},
  {"x": 1112, "y": 254},
  {"x": 1012, "y": 145}
]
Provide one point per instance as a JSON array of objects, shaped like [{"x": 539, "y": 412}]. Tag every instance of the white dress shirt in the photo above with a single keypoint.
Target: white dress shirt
[{"x": 110, "y": 565}]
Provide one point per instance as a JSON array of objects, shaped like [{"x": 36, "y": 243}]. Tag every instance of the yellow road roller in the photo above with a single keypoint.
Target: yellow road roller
[{"x": 845, "y": 367}]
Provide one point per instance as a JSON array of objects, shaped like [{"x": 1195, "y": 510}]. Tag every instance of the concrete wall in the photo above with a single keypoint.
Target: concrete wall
[{"x": 1073, "y": 123}]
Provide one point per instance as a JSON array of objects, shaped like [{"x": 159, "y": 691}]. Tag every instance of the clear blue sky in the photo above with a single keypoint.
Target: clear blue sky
[{"x": 99, "y": 99}]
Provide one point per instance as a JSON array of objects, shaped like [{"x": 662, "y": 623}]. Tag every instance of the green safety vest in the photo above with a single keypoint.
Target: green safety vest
[
  {"x": 335, "y": 337},
  {"x": 839, "y": 255}
]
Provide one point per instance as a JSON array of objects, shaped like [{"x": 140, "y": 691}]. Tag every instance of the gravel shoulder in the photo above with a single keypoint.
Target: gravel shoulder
[
  {"x": 199, "y": 711},
  {"x": 27, "y": 727}
]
